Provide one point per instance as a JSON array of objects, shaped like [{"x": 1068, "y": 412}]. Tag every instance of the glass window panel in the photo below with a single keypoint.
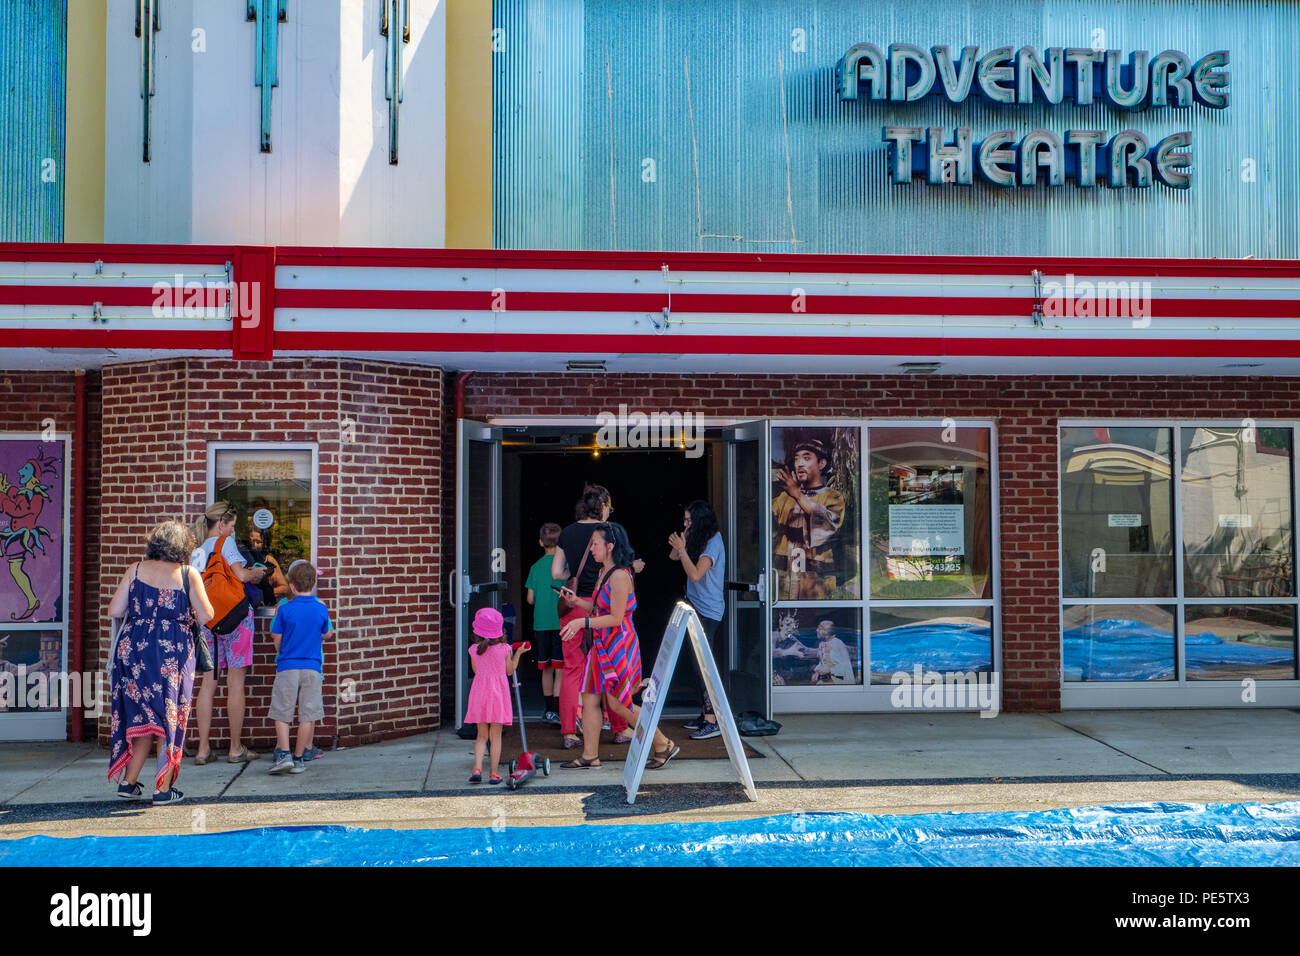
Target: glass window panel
[
  {"x": 816, "y": 554},
  {"x": 931, "y": 530},
  {"x": 1118, "y": 642},
  {"x": 1116, "y": 512},
  {"x": 1236, "y": 488},
  {"x": 270, "y": 479},
  {"x": 1232, "y": 642},
  {"x": 942, "y": 640},
  {"x": 34, "y": 661},
  {"x": 816, "y": 647}
]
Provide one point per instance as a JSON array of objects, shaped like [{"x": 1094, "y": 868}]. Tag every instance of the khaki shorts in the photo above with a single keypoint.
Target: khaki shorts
[{"x": 302, "y": 686}]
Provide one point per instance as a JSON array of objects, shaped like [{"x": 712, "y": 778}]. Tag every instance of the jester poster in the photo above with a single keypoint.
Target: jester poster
[{"x": 32, "y": 524}]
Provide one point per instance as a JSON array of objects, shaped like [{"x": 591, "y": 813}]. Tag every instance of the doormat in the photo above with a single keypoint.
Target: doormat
[{"x": 547, "y": 740}]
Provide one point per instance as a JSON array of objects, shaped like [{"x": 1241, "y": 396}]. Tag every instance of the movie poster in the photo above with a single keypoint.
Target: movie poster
[
  {"x": 816, "y": 647},
  {"x": 32, "y": 523},
  {"x": 815, "y": 532}
]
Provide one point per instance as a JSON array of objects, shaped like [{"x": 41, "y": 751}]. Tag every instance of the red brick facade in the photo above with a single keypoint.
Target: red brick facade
[
  {"x": 386, "y": 488},
  {"x": 378, "y": 430},
  {"x": 1026, "y": 411}
]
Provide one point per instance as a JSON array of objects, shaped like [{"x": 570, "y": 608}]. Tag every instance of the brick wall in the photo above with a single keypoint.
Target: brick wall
[
  {"x": 379, "y": 459},
  {"x": 1026, "y": 411}
]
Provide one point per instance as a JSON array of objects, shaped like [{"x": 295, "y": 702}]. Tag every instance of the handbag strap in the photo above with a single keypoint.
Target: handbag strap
[{"x": 577, "y": 578}]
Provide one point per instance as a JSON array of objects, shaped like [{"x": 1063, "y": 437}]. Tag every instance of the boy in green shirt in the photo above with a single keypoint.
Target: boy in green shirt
[{"x": 546, "y": 622}]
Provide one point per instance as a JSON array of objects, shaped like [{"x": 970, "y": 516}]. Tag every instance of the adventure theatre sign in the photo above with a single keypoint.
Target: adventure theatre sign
[{"x": 1019, "y": 77}]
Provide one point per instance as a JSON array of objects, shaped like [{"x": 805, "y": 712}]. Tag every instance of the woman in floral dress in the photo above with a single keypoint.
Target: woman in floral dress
[{"x": 153, "y": 662}]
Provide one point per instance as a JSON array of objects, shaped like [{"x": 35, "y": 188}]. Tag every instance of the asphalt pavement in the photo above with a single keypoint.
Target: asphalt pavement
[{"x": 886, "y": 763}]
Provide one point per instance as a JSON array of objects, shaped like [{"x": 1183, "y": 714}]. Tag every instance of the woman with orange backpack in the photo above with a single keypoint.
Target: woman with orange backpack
[{"x": 230, "y": 632}]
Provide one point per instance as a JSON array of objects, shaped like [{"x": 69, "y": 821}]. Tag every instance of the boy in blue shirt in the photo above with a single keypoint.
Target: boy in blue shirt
[{"x": 297, "y": 631}]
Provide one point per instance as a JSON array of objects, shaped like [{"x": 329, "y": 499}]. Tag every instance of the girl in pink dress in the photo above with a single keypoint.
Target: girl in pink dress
[{"x": 489, "y": 695}]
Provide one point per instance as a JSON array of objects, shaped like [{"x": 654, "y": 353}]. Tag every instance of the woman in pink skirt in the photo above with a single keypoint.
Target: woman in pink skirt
[{"x": 489, "y": 695}]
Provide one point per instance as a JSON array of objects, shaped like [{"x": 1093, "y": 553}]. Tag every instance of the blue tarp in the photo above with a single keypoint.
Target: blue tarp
[
  {"x": 936, "y": 647},
  {"x": 1148, "y": 834},
  {"x": 1121, "y": 649}
]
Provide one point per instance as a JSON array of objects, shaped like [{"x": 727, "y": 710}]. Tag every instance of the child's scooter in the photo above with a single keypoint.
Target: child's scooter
[{"x": 528, "y": 763}]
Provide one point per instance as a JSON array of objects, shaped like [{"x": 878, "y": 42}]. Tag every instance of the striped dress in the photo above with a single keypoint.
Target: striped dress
[{"x": 614, "y": 664}]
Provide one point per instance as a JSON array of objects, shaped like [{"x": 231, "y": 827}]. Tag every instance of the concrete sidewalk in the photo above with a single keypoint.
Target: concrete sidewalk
[{"x": 886, "y": 763}]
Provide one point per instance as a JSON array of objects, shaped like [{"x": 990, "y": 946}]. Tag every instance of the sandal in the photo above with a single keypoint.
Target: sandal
[
  {"x": 244, "y": 756},
  {"x": 494, "y": 779},
  {"x": 660, "y": 758},
  {"x": 476, "y": 776},
  {"x": 571, "y": 742},
  {"x": 623, "y": 738},
  {"x": 581, "y": 763},
  {"x": 204, "y": 761}
]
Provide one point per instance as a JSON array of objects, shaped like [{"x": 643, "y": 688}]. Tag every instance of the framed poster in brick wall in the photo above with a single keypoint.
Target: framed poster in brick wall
[{"x": 34, "y": 526}]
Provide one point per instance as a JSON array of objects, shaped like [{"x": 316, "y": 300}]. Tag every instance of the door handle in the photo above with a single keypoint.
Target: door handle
[{"x": 451, "y": 588}]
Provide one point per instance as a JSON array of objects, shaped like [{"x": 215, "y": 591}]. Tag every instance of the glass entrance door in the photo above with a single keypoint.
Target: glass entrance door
[
  {"x": 478, "y": 580},
  {"x": 747, "y": 525}
]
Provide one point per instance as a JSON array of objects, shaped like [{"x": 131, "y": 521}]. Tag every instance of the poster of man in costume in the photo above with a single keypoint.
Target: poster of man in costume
[
  {"x": 31, "y": 530},
  {"x": 815, "y": 475}
]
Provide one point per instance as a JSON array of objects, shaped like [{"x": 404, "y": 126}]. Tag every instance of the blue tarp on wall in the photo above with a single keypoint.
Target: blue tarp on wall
[{"x": 1149, "y": 834}]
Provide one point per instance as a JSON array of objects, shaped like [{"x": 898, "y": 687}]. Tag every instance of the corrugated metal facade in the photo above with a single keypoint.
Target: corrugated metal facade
[
  {"x": 703, "y": 125},
  {"x": 33, "y": 49}
]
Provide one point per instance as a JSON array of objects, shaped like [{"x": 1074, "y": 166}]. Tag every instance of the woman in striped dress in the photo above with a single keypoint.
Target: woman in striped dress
[{"x": 613, "y": 669}]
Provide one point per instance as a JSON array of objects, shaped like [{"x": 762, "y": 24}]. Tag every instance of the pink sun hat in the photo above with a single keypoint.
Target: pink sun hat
[{"x": 488, "y": 623}]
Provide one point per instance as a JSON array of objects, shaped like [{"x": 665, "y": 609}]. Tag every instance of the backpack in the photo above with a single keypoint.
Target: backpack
[{"x": 225, "y": 592}]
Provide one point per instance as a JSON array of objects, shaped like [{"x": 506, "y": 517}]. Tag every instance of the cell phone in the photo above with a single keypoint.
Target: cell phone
[{"x": 555, "y": 589}]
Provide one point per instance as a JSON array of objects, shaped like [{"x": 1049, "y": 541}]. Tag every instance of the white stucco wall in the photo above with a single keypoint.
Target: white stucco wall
[{"x": 327, "y": 180}]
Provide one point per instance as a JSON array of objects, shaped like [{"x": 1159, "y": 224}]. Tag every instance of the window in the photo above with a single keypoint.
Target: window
[
  {"x": 884, "y": 543},
  {"x": 273, "y": 487},
  {"x": 1221, "y": 501}
]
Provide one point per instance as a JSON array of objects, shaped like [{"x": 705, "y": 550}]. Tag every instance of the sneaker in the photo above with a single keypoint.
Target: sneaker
[
  {"x": 281, "y": 761},
  {"x": 605, "y": 725},
  {"x": 130, "y": 791},
  {"x": 312, "y": 753},
  {"x": 706, "y": 732},
  {"x": 170, "y": 796},
  {"x": 695, "y": 723},
  {"x": 551, "y": 717},
  {"x": 299, "y": 764}
]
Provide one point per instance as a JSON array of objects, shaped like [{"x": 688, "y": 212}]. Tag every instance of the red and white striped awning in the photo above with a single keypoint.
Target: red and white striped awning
[{"x": 500, "y": 309}]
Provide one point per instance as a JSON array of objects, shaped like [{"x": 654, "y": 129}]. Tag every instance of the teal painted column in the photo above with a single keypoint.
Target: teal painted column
[{"x": 33, "y": 96}]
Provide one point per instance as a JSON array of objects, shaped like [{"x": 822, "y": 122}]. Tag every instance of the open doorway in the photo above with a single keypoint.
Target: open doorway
[{"x": 543, "y": 470}]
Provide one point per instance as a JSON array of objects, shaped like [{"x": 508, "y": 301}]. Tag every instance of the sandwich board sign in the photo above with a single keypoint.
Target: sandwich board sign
[{"x": 683, "y": 622}]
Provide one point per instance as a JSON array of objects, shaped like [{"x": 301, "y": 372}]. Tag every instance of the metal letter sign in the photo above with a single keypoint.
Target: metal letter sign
[
  {"x": 267, "y": 14},
  {"x": 1008, "y": 76},
  {"x": 398, "y": 14},
  {"x": 147, "y": 23},
  {"x": 683, "y": 622}
]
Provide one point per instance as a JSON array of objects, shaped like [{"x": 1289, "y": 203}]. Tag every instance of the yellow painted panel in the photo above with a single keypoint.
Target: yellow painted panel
[
  {"x": 83, "y": 165},
  {"x": 469, "y": 124}
]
